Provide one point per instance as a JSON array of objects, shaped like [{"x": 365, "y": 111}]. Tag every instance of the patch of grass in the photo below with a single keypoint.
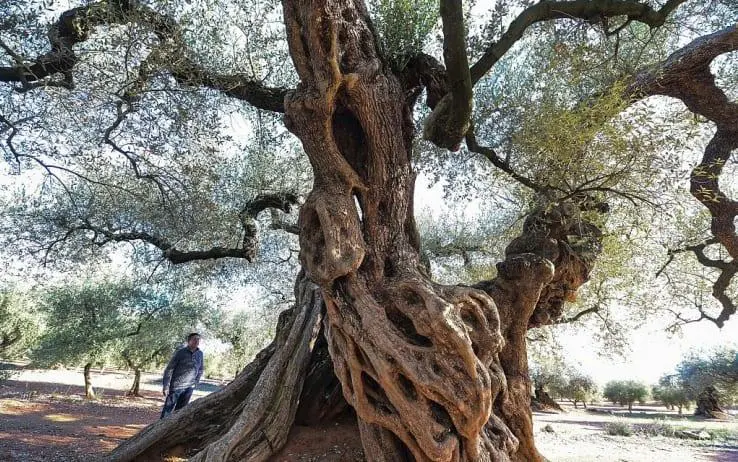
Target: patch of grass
[
  {"x": 724, "y": 434},
  {"x": 618, "y": 428}
]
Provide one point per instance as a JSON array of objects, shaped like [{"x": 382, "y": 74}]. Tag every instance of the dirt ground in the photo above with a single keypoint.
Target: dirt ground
[
  {"x": 44, "y": 418},
  {"x": 580, "y": 436}
]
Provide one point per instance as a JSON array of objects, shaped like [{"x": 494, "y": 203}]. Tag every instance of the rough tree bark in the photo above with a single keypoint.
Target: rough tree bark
[
  {"x": 89, "y": 391},
  {"x": 434, "y": 372},
  {"x": 708, "y": 405},
  {"x": 416, "y": 360}
]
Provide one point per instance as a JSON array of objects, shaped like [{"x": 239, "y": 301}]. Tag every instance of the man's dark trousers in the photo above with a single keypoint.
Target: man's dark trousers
[{"x": 176, "y": 399}]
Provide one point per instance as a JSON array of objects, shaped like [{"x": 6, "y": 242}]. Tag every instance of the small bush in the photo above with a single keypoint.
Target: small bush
[
  {"x": 724, "y": 434},
  {"x": 618, "y": 429},
  {"x": 656, "y": 428}
]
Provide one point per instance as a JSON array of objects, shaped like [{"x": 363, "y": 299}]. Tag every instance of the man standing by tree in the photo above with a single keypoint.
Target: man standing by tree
[{"x": 182, "y": 375}]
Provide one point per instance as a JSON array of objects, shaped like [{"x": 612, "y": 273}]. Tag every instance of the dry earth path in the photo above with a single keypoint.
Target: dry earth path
[{"x": 44, "y": 418}]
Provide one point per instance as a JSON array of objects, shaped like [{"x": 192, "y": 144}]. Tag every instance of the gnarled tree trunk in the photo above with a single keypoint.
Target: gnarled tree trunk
[
  {"x": 417, "y": 361},
  {"x": 543, "y": 401},
  {"x": 434, "y": 372},
  {"x": 708, "y": 405},
  {"x": 134, "y": 390},
  {"x": 89, "y": 391}
]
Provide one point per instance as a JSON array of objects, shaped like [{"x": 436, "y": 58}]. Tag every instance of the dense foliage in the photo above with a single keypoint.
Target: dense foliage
[
  {"x": 625, "y": 392},
  {"x": 20, "y": 323}
]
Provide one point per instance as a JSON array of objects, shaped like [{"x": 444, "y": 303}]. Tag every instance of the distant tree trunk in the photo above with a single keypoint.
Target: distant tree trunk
[
  {"x": 543, "y": 399},
  {"x": 134, "y": 390},
  {"x": 89, "y": 391},
  {"x": 8, "y": 339},
  {"x": 584, "y": 403},
  {"x": 575, "y": 404},
  {"x": 630, "y": 407},
  {"x": 708, "y": 405},
  {"x": 680, "y": 409}
]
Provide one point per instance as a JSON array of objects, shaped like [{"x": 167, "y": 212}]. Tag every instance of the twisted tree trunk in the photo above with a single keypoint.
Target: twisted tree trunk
[
  {"x": 89, "y": 391},
  {"x": 416, "y": 360},
  {"x": 544, "y": 401},
  {"x": 433, "y": 372},
  {"x": 708, "y": 405},
  {"x": 135, "y": 386}
]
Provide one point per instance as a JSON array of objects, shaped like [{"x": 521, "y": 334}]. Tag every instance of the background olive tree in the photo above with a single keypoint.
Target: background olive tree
[{"x": 625, "y": 392}]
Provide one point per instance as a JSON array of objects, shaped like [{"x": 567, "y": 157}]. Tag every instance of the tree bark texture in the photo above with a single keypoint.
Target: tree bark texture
[
  {"x": 415, "y": 359},
  {"x": 434, "y": 373},
  {"x": 134, "y": 390},
  {"x": 544, "y": 401},
  {"x": 708, "y": 405},
  {"x": 89, "y": 391}
]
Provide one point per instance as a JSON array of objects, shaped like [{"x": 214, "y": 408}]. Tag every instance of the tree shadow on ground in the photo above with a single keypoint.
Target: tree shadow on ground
[
  {"x": 24, "y": 389},
  {"x": 12, "y": 366},
  {"x": 592, "y": 425},
  {"x": 642, "y": 414},
  {"x": 46, "y": 429},
  {"x": 725, "y": 455},
  {"x": 206, "y": 385}
]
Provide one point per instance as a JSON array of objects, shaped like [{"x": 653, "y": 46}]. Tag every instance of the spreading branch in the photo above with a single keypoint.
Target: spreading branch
[
  {"x": 74, "y": 26},
  {"x": 686, "y": 75},
  {"x": 103, "y": 235},
  {"x": 727, "y": 270},
  {"x": 576, "y": 317},
  {"x": 449, "y": 121},
  {"x": 594, "y": 11},
  {"x": 503, "y": 164}
]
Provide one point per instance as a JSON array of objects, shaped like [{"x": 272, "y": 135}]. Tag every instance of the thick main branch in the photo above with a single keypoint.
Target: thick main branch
[
  {"x": 686, "y": 75},
  {"x": 589, "y": 10},
  {"x": 75, "y": 26}
]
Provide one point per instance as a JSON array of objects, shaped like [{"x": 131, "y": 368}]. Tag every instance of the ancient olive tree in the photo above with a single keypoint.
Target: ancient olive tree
[
  {"x": 710, "y": 379},
  {"x": 433, "y": 372}
]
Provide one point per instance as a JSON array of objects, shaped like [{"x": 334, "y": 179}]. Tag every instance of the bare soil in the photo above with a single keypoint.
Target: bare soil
[
  {"x": 44, "y": 418},
  {"x": 579, "y": 436}
]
